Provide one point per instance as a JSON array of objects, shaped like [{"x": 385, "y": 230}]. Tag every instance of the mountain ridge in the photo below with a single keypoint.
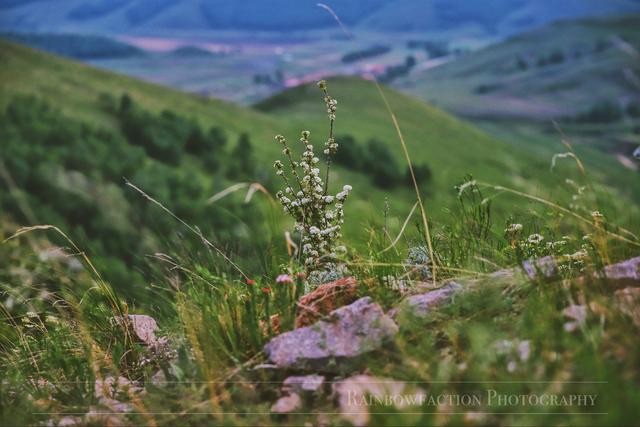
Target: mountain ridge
[{"x": 143, "y": 16}]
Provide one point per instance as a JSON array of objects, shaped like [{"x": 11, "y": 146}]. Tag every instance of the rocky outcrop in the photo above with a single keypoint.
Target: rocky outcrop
[
  {"x": 142, "y": 327},
  {"x": 349, "y": 331},
  {"x": 619, "y": 275}
]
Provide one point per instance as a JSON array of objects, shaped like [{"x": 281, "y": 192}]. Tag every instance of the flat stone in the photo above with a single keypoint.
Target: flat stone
[
  {"x": 622, "y": 274},
  {"x": 628, "y": 301},
  {"x": 545, "y": 268},
  {"x": 69, "y": 421},
  {"x": 578, "y": 316},
  {"x": 287, "y": 404},
  {"x": 144, "y": 327},
  {"x": 350, "y": 331},
  {"x": 304, "y": 384}
]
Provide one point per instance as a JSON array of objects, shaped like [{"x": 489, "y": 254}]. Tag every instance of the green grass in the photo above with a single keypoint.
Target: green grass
[
  {"x": 217, "y": 325},
  {"x": 58, "y": 335}
]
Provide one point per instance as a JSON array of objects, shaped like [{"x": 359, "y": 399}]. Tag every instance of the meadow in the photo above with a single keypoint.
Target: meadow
[{"x": 142, "y": 200}]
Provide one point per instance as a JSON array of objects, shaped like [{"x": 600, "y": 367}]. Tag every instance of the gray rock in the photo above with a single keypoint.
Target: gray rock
[
  {"x": 542, "y": 268},
  {"x": 350, "y": 331},
  {"x": 422, "y": 304},
  {"x": 628, "y": 301},
  {"x": 144, "y": 327},
  {"x": 623, "y": 274},
  {"x": 304, "y": 384},
  {"x": 69, "y": 421},
  {"x": 287, "y": 404},
  {"x": 578, "y": 316}
]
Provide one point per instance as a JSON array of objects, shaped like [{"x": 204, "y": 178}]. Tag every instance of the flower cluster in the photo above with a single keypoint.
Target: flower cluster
[
  {"x": 284, "y": 278},
  {"x": 535, "y": 239},
  {"x": 513, "y": 229},
  {"x": 418, "y": 260},
  {"x": 318, "y": 215},
  {"x": 330, "y": 147}
]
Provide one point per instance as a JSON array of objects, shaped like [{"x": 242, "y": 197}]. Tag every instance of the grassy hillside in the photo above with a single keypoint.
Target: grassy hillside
[
  {"x": 77, "y": 107},
  {"x": 581, "y": 74},
  {"x": 28, "y": 71},
  {"x": 67, "y": 151},
  {"x": 450, "y": 147},
  {"x": 82, "y": 47},
  {"x": 560, "y": 70}
]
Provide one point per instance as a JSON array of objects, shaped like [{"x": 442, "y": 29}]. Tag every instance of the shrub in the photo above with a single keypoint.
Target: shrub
[
  {"x": 243, "y": 165},
  {"x": 385, "y": 174},
  {"x": 350, "y": 154},
  {"x": 604, "y": 112},
  {"x": 421, "y": 172},
  {"x": 365, "y": 53}
]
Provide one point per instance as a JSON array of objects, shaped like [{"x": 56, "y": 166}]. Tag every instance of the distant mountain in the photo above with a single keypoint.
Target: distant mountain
[
  {"x": 557, "y": 71},
  {"x": 145, "y": 16},
  {"x": 582, "y": 74},
  {"x": 84, "y": 47}
]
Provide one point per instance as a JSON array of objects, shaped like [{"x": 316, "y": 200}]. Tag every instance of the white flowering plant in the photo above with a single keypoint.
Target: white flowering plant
[{"x": 318, "y": 215}]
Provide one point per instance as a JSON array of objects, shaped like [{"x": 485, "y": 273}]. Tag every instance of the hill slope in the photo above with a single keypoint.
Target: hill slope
[
  {"x": 69, "y": 145},
  {"x": 554, "y": 71},
  {"x": 134, "y": 16},
  {"x": 450, "y": 147},
  {"x": 582, "y": 74}
]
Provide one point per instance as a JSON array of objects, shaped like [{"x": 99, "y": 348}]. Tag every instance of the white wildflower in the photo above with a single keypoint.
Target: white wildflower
[
  {"x": 513, "y": 228},
  {"x": 461, "y": 188},
  {"x": 535, "y": 239}
]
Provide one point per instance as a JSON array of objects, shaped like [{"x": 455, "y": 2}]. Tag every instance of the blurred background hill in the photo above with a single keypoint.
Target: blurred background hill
[{"x": 138, "y": 16}]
